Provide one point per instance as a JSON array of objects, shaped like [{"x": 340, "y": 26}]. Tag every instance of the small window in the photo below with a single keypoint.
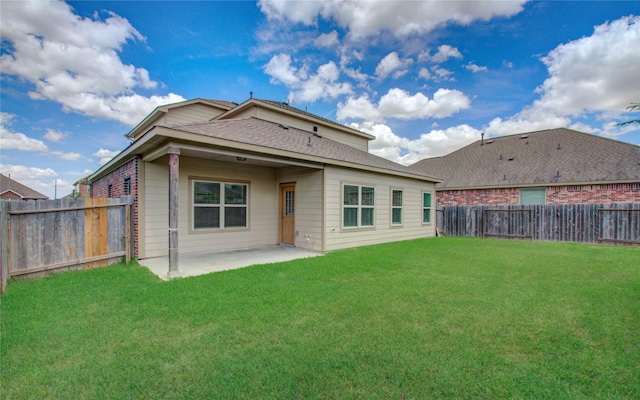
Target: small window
[
  {"x": 530, "y": 197},
  {"x": 110, "y": 191},
  {"x": 396, "y": 207},
  {"x": 358, "y": 206},
  {"x": 127, "y": 186},
  {"x": 426, "y": 208},
  {"x": 219, "y": 205}
]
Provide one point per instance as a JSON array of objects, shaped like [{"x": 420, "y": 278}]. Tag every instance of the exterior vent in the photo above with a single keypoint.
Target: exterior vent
[
  {"x": 511, "y": 158},
  {"x": 283, "y": 126},
  {"x": 488, "y": 142},
  {"x": 524, "y": 136}
]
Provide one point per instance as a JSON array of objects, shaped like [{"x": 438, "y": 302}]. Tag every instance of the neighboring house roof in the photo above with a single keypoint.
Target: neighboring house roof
[
  {"x": 306, "y": 145},
  {"x": 287, "y": 109},
  {"x": 543, "y": 158},
  {"x": 9, "y": 185}
]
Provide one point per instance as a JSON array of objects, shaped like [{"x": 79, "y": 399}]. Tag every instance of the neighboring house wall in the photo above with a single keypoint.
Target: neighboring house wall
[
  {"x": 118, "y": 180},
  {"x": 352, "y": 140},
  {"x": 9, "y": 195},
  {"x": 580, "y": 194},
  {"x": 263, "y": 205},
  {"x": 412, "y": 227}
]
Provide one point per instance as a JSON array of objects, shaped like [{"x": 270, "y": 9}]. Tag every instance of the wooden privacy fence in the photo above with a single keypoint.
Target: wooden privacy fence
[
  {"x": 588, "y": 223},
  {"x": 43, "y": 236}
]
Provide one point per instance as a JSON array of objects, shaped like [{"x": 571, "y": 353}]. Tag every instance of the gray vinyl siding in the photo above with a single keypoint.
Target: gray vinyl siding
[
  {"x": 308, "y": 205},
  {"x": 262, "y": 211},
  {"x": 412, "y": 227},
  {"x": 191, "y": 113}
]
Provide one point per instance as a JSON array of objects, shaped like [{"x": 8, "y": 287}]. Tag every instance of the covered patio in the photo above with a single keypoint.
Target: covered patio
[{"x": 195, "y": 264}]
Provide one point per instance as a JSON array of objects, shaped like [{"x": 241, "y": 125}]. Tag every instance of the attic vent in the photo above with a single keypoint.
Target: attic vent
[
  {"x": 283, "y": 126},
  {"x": 524, "y": 136},
  {"x": 500, "y": 157},
  {"x": 559, "y": 146},
  {"x": 489, "y": 141},
  {"x": 511, "y": 158},
  {"x": 315, "y": 128}
]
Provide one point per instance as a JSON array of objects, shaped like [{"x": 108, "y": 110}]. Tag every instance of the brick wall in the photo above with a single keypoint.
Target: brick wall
[
  {"x": 594, "y": 194},
  {"x": 114, "y": 185},
  {"x": 476, "y": 197},
  {"x": 10, "y": 195},
  {"x": 584, "y": 194}
]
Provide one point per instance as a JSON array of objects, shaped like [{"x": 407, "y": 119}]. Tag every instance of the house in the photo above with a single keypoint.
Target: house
[
  {"x": 14, "y": 190},
  {"x": 213, "y": 175},
  {"x": 555, "y": 166}
]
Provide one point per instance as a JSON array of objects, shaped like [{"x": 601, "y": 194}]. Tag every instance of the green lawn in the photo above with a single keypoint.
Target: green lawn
[{"x": 433, "y": 318}]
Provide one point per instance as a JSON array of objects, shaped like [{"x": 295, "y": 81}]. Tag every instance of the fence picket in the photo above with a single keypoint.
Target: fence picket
[{"x": 587, "y": 223}]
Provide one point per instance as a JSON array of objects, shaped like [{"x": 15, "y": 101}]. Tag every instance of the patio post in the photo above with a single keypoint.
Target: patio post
[{"x": 174, "y": 172}]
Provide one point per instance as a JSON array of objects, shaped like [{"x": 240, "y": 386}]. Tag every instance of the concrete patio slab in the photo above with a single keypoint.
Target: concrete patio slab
[{"x": 204, "y": 263}]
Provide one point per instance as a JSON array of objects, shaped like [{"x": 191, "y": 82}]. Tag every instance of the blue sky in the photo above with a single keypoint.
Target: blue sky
[{"x": 424, "y": 77}]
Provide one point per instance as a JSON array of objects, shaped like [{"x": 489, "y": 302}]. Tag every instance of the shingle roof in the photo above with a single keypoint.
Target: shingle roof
[
  {"x": 270, "y": 135},
  {"x": 8, "y": 184},
  {"x": 535, "y": 158}
]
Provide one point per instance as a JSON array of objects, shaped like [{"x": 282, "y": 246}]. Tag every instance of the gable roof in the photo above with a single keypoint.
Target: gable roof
[
  {"x": 288, "y": 142},
  {"x": 146, "y": 123},
  {"x": 9, "y": 185},
  {"x": 285, "y": 108},
  {"x": 536, "y": 159}
]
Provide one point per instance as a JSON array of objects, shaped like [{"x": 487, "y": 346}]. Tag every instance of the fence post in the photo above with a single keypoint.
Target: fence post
[{"x": 4, "y": 247}]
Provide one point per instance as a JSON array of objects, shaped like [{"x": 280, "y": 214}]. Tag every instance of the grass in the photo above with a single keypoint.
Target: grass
[{"x": 434, "y": 318}]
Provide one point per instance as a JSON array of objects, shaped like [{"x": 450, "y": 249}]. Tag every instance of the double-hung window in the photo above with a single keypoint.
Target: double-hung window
[
  {"x": 219, "y": 205},
  {"x": 426, "y": 208},
  {"x": 358, "y": 206},
  {"x": 396, "y": 207}
]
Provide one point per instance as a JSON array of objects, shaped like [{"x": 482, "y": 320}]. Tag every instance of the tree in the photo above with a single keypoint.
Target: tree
[{"x": 631, "y": 108}]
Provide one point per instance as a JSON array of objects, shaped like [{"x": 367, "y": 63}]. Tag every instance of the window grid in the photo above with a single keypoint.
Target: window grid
[
  {"x": 426, "y": 208},
  {"x": 358, "y": 206},
  {"x": 396, "y": 207},
  {"x": 219, "y": 205}
]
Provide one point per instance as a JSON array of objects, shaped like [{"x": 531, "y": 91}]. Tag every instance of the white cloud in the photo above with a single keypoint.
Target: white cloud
[
  {"x": 38, "y": 179},
  {"x": 398, "y": 103},
  {"x": 441, "y": 74},
  {"x": 55, "y": 136},
  {"x": 105, "y": 155},
  {"x": 358, "y": 108},
  {"x": 407, "y": 151},
  {"x": 475, "y": 68},
  {"x": 280, "y": 70},
  {"x": 74, "y": 61},
  {"x": 67, "y": 156},
  {"x": 424, "y": 73},
  {"x": 444, "y": 53},
  {"x": 305, "y": 87},
  {"x": 390, "y": 63},
  {"x": 327, "y": 39},
  {"x": 594, "y": 75},
  {"x": 401, "y": 18},
  {"x": 17, "y": 141}
]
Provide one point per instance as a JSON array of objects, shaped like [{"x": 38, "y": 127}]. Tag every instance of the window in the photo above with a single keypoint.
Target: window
[
  {"x": 127, "y": 185},
  {"x": 396, "y": 207},
  {"x": 358, "y": 206},
  {"x": 426, "y": 208},
  {"x": 110, "y": 191},
  {"x": 533, "y": 196},
  {"x": 219, "y": 205}
]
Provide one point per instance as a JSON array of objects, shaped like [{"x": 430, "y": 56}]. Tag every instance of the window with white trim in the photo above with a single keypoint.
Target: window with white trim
[
  {"x": 358, "y": 206},
  {"x": 396, "y": 207},
  {"x": 426, "y": 208},
  {"x": 219, "y": 205}
]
